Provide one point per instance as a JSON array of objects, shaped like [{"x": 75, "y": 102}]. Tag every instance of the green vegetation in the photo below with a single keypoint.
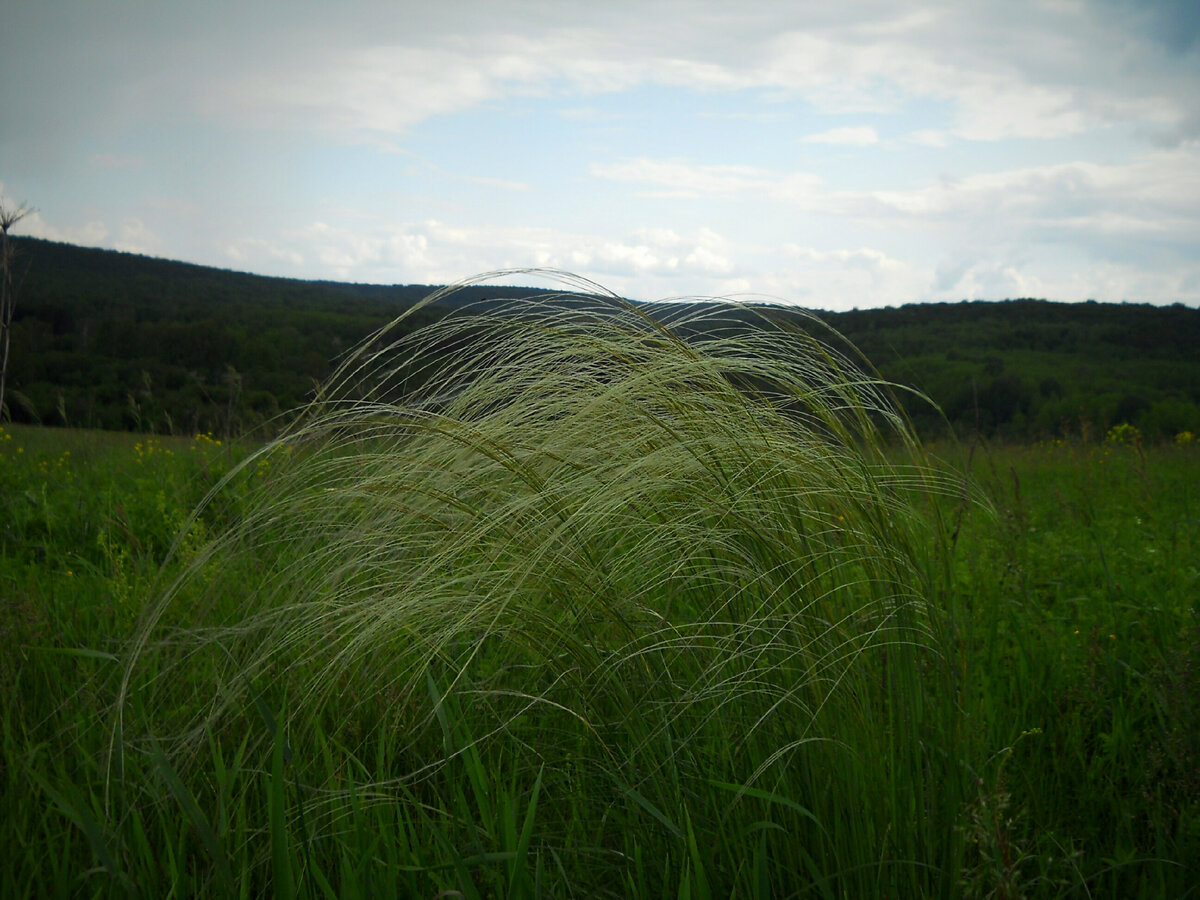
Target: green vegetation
[
  {"x": 550, "y": 605},
  {"x": 111, "y": 340},
  {"x": 8, "y": 293},
  {"x": 1032, "y": 369},
  {"x": 116, "y": 341}
]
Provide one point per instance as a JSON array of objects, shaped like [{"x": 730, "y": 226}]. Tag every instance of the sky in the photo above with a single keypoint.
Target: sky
[{"x": 831, "y": 155}]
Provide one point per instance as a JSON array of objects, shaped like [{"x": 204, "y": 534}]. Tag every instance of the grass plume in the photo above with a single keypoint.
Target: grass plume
[{"x": 598, "y": 602}]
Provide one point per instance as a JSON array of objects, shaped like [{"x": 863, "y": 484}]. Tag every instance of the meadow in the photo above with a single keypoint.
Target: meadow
[{"x": 622, "y": 618}]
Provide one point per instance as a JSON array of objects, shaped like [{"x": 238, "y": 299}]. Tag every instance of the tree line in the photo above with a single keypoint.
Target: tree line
[{"x": 102, "y": 339}]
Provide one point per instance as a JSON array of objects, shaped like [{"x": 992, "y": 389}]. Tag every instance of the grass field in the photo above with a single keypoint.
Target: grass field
[{"x": 983, "y": 694}]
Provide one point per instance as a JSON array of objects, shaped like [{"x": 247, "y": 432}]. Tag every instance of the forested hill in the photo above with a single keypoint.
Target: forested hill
[
  {"x": 1034, "y": 368},
  {"x": 115, "y": 340}
]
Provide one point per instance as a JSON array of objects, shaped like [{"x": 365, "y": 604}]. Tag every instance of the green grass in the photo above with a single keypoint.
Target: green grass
[
  {"x": 1081, "y": 655},
  {"x": 592, "y": 612}
]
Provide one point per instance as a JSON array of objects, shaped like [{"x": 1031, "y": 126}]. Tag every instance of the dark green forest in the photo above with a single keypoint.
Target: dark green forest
[
  {"x": 102, "y": 339},
  {"x": 1032, "y": 369}
]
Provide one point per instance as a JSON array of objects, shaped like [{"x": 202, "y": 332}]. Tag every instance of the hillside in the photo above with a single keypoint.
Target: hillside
[
  {"x": 113, "y": 340},
  {"x": 103, "y": 339},
  {"x": 1035, "y": 368}
]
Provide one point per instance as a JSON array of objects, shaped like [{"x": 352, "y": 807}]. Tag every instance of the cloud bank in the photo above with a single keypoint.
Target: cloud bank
[{"x": 835, "y": 154}]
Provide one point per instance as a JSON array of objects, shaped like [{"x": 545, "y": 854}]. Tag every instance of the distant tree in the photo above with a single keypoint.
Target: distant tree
[
  {"x": 1003, "y": 399},
  {"x": 8, "y": 291},
  {"x": 1050, "y": 387},
  {"x": 1130, "y": 409}
]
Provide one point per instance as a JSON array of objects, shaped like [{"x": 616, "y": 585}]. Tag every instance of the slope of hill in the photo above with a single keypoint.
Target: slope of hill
[
  {"x": 1030, "y": 367},
  {"x": 114, "y": 340}
]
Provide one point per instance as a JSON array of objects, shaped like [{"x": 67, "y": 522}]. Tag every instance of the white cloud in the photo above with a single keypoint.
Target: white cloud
[
  {"x": 1155, "y": 193},
  {"x": 438, "y": 252},
  {"x": 999, "y": 275},
  {"x": 1024, "y": 69},
  {"x": 861, "y": 136},
  {"x": 683, "y": 178},
  {"x": 841, "y": 278},
  {"x": 864, "y": 257},
  {"x": 997, "y": 279},
  {"x": 929, "y": 137},
  {"x": 133, "y": 236},
  {"x": 91, "y": 233},
  {"x": 187, "y": 121},
  {"x": 381, "y": 89},
  {"x": 1041, "y": 70}
]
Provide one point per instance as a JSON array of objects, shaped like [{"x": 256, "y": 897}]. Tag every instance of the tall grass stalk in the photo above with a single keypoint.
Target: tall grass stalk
[{"x": 555, "y": 597}]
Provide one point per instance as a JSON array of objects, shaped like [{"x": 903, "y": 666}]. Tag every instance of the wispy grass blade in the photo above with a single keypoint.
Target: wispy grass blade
[{"x": 550, "y": 548}]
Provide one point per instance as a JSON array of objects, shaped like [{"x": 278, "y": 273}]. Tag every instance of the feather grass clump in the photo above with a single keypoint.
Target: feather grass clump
[{"x": 664, "y": 573}]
